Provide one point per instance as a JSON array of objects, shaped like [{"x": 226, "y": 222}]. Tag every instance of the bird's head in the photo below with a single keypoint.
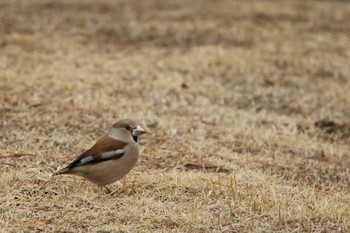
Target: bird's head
[{"x": 131, "y": 127}]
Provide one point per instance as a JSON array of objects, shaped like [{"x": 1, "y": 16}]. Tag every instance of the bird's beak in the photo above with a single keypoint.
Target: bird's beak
[{"x": 138, "y": 131}]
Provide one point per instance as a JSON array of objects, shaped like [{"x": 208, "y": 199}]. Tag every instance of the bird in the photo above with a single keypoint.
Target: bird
[{"x": 110, "y": 158}]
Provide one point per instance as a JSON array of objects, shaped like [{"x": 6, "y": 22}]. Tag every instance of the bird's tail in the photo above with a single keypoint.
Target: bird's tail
[{"x": 60, "y": 172}]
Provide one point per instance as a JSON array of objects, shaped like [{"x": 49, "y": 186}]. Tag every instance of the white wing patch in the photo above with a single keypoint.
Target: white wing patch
[
  {"x": 111, "y": 154},
  {"x": 86, "y": 159},
  {"x": 116, "y": 154}
]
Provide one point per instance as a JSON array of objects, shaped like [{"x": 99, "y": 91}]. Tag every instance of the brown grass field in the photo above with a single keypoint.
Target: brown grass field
[{"x": 248, "y": 103}]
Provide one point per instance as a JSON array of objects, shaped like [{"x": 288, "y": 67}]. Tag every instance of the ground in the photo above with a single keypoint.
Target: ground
[{"x": 247, "y": 103}]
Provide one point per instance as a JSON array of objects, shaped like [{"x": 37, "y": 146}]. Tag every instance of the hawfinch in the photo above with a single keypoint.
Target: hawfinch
[{"x": 111, "y": 158}]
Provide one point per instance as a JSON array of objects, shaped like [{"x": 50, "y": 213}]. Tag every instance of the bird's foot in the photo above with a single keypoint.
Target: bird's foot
[{"x": 107, "y": 190}]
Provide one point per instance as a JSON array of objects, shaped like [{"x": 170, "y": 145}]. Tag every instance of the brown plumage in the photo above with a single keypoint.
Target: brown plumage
[{"x": 111, "y": 158}]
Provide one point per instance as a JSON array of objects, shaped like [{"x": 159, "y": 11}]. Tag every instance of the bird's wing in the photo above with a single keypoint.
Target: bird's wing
[{"x": 106, "y": 148}]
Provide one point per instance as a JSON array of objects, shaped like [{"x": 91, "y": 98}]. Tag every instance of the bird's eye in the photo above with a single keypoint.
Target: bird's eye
[{"x": 127, "y": 128}]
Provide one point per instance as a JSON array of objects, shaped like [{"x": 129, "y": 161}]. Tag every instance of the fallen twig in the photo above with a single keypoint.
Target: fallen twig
[{"x": 17, "y": 155}]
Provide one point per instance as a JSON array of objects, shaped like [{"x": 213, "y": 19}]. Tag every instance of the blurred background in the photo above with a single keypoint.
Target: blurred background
[
  {"x": 283, "y": 57},
  {"x": 176, "y": 63}
]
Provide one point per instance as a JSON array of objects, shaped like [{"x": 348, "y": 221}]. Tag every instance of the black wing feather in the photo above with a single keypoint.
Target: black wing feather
[{"x": 80, "y": 160}]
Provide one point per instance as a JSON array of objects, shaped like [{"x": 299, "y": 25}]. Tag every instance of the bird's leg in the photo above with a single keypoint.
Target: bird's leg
[{"x": 107, "y": 190}]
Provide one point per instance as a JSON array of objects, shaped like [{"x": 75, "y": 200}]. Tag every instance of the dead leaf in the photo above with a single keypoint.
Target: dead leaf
[
  {"x": 269, "y": 81},
  {"x": 205, "y": 166},
  {"x": 162, "y": 166}
]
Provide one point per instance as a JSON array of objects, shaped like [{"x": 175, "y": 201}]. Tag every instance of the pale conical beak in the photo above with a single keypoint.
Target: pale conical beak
[{"x": 138, "y": 131}]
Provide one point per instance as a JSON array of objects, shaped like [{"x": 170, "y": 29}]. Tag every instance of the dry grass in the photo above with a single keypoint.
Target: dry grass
[{"x": 256, "y": 90}]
